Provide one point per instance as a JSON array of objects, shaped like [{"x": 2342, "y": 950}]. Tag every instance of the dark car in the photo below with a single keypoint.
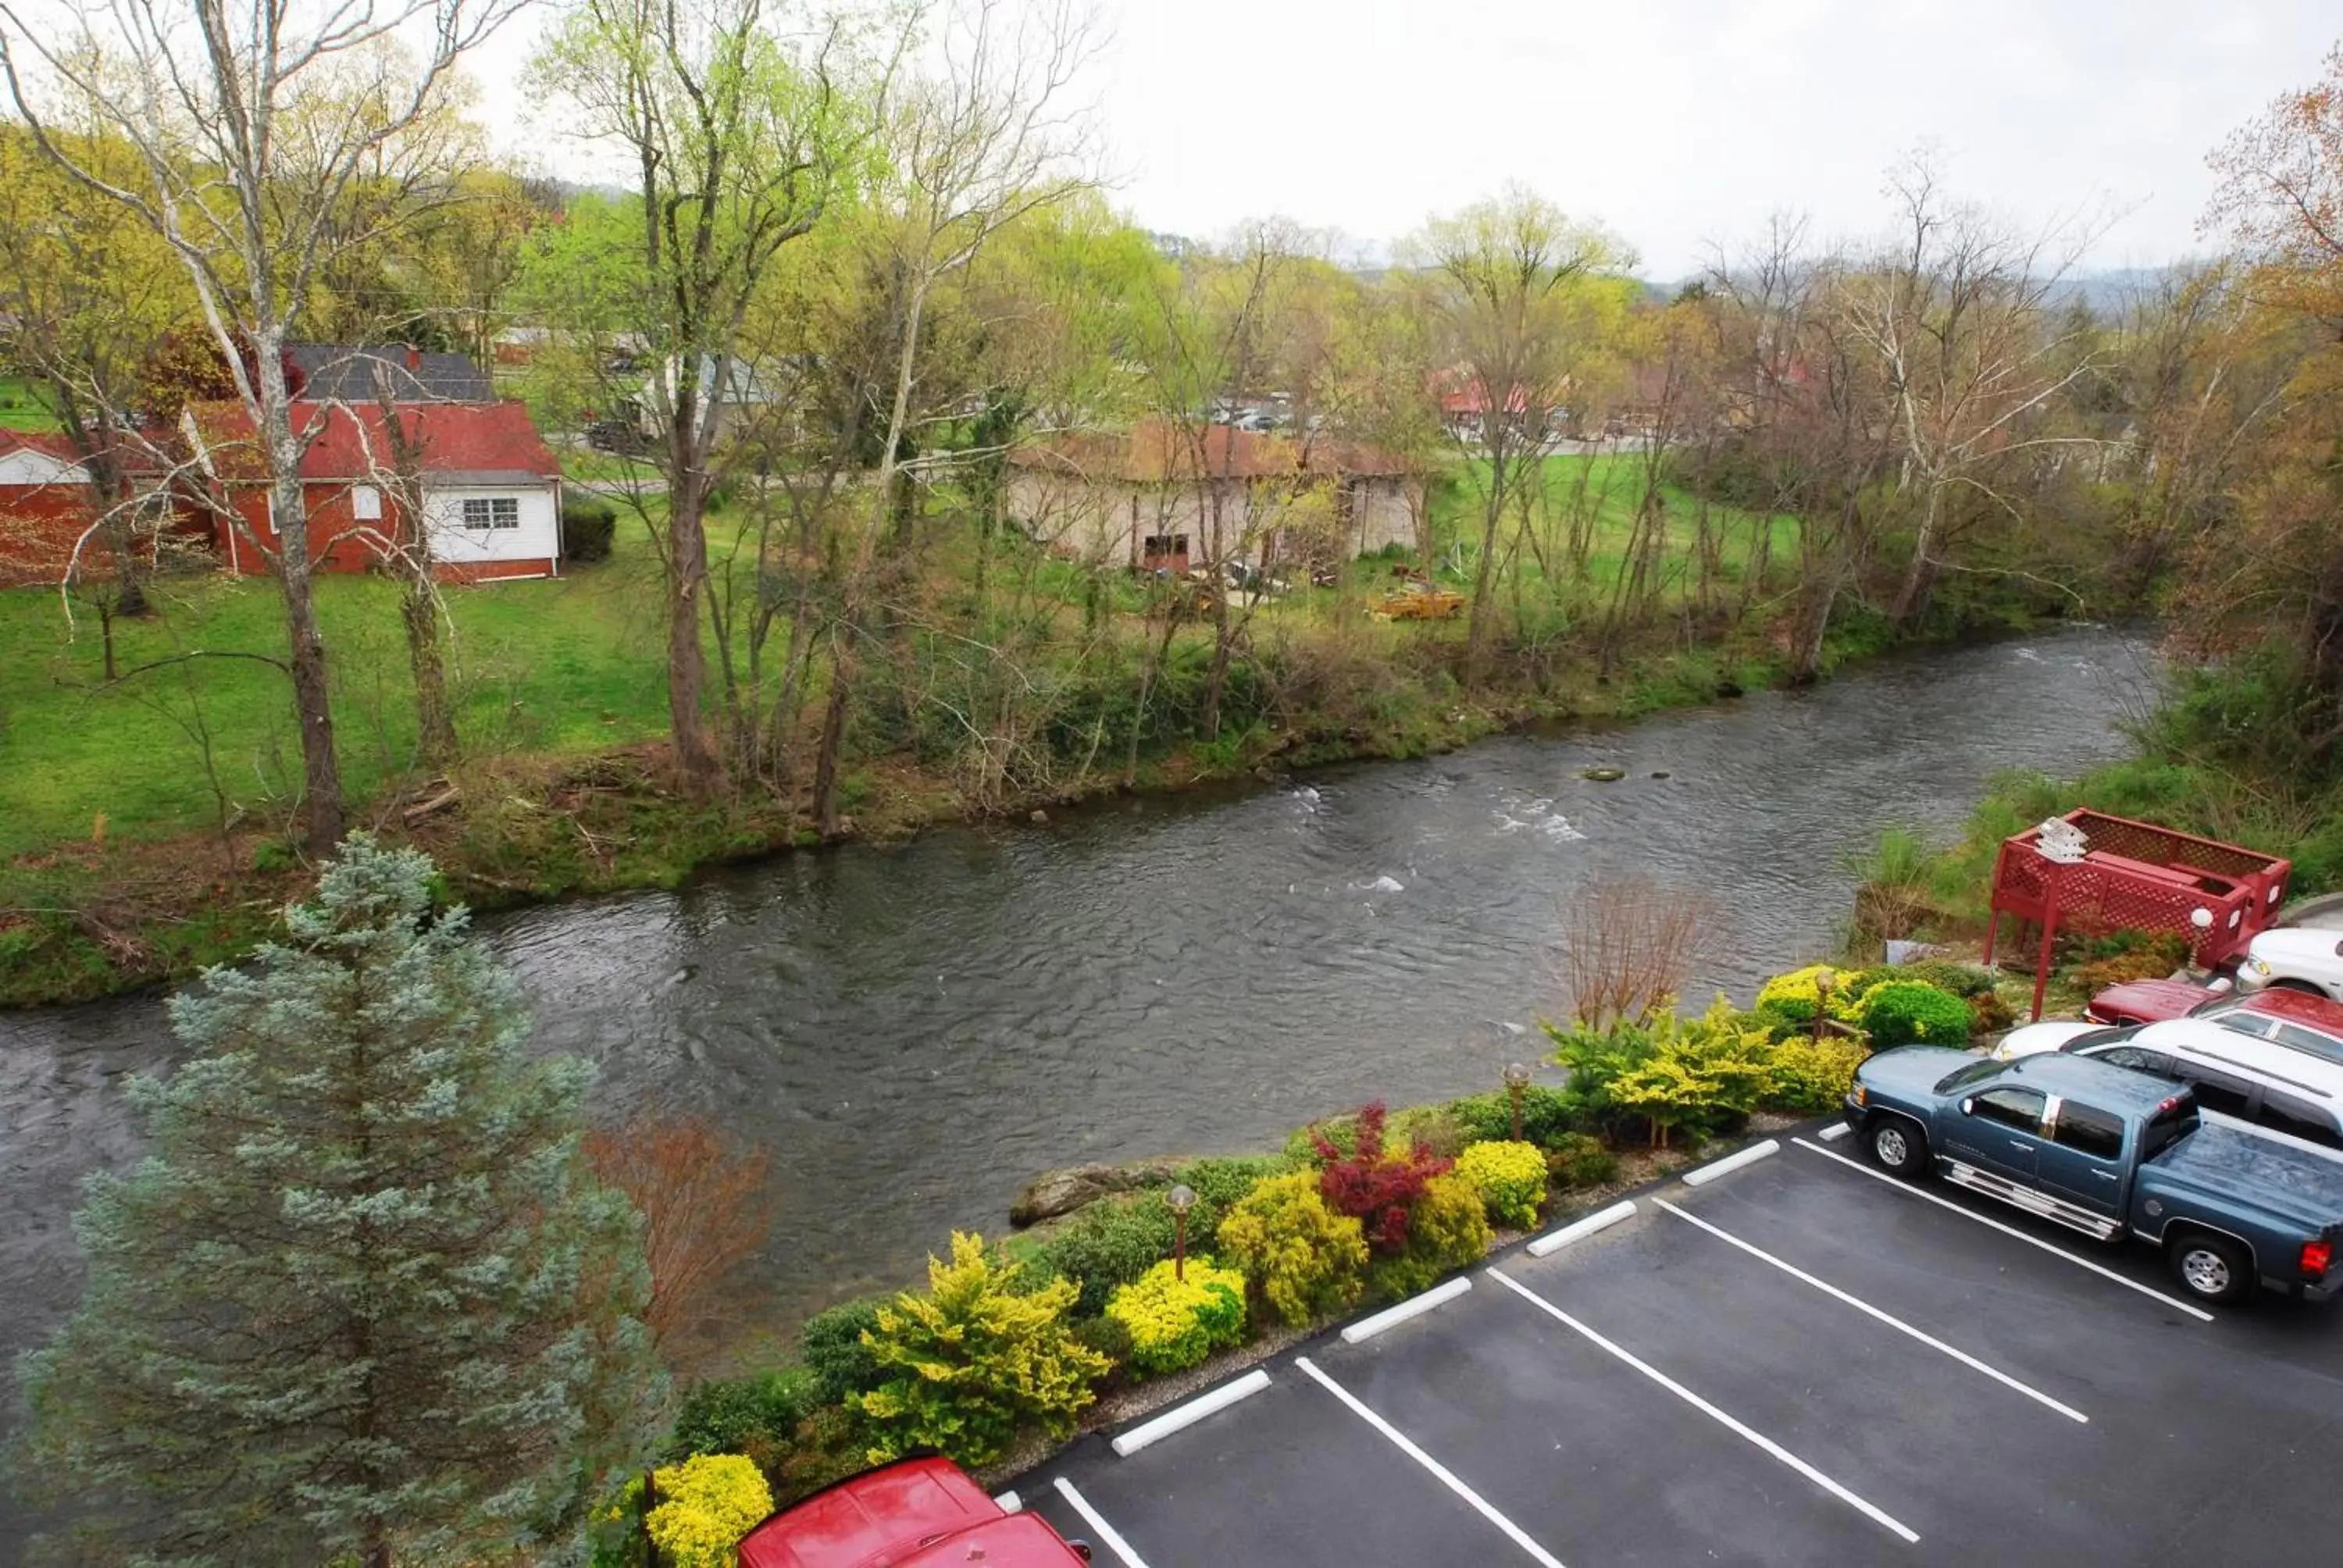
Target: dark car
[
  {"x": 2293, "y": 1019},
  {"x": 914, "y": 1514}
]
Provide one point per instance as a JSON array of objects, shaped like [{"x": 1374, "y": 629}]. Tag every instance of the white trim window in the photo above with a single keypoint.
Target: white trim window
[
  {"x": 482, "y": 513},
  {"x": 365, "y": 504}
]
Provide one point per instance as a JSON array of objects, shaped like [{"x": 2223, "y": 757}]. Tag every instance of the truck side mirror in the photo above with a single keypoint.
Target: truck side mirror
[{"x": 1968, "y": 1105}]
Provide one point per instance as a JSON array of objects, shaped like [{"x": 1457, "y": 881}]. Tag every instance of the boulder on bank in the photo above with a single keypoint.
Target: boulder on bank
[{"x": 1056, "y": 1192}]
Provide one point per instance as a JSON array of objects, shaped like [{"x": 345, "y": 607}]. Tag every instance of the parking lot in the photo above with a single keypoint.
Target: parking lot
[{"x": 1801, "y": 1361}]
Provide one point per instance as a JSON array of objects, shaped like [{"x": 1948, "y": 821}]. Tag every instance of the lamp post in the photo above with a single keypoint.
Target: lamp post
[
  {"x": 1517, "y": 1079},
  {"x": 1181, "y": 1198}
]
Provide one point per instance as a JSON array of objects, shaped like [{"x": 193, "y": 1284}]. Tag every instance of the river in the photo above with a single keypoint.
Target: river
[{"x": 912, "y": 1031}]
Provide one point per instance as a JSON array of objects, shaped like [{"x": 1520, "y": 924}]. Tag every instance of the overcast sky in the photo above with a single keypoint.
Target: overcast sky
[{"x": 1676, "y": 123}]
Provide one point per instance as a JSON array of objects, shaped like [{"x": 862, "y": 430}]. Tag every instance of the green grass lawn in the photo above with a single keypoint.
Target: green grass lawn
[
  {"x": 564, "y": 666},
  {"x": 25, "y": 406}
]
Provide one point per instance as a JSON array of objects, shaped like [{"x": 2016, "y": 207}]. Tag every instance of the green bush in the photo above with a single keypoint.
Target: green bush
[
  {"x": 1109, "y": 1338},
  {"x": 1342, "y": 1131},
  {"x": 1577, "y": 1160},
  {"x": 1510, "y": 1178},
  {"x": 1447, "y": 1229},
  {"x": 1306, "y": 1259},
  {"x": 726, "y": 1415},
  {"x": 589, "y": 524},
  {"x": 1548, "y": 1116},
  {"x": 972, "y": 1357},
  {"x": 1436, "y": 1127},
  {"x": 1107, "y": 1243},
  {"x": 1907, "y": 1013},
  {"x": 1961, "y": 980},
  {"x": 830, "y": 1345},
  {"x": 1177, "y": 1319},
  {"x": 1220, "y": 1184}
]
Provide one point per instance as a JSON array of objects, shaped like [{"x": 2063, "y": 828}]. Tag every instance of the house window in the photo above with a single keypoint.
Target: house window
[
  {"x": 365, "y": 502},
  {"x": 1165, "y": 544},
  {"x": 492, "y": 511}
]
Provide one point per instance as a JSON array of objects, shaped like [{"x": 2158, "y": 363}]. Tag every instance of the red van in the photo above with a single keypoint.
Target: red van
[{"x": 913, "y": 1513}]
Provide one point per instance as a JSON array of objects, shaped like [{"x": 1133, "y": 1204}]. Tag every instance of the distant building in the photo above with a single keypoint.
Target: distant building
[
  {"x": 46, "y": 507},
  {"x": 351, "y": 373},
  {"x": 491, "y": 490},
  {"x": 1158, "y": 498}
]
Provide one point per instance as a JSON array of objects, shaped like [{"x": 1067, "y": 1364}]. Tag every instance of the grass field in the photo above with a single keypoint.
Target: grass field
[{"x": 23, "y": 407}]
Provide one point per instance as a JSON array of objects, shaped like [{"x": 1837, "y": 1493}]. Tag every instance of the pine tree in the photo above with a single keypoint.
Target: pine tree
[{"x": 362, "y": 1298}]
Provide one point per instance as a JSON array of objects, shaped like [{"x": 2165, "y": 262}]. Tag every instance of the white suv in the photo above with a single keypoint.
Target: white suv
[
  {"x": 2302, "y": 957},
  {"x": 2265, "y": 1082}
]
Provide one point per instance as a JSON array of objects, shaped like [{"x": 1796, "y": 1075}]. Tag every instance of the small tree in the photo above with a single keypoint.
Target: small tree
[
  {"x": 704, "y": 1208},
  {"x": 361, "y": 1300}
]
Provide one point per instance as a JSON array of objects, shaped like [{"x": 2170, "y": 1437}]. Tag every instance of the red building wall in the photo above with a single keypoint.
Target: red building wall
[{"x": 38, "y": 525}]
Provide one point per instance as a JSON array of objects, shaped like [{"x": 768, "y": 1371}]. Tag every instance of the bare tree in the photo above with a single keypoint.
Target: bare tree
[
  {"x": 271, "y": 137},
  {"x": 1627, "y": 947},
  {"x": 705, "y": 1207}
]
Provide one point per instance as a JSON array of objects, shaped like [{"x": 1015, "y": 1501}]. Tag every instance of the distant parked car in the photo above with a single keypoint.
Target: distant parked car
[
  {"x": 615, "y": 435},
  {"x": 915, "y": 1513},
  {"x": 2290, "y": 1017},
  {"x": 2236, "y": 1074},
  {"x": 2297, "y": 958}
]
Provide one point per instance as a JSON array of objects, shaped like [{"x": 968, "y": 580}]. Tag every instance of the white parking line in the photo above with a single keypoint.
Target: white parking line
[
  {"x": 1537, "y": 1553},
  {"x": 1869, "y": 1510},
  {"x": 1901, "y": 1186},
  {"x": 1898, "y": 1324},
  {"x": 1107, "y": 1535}
]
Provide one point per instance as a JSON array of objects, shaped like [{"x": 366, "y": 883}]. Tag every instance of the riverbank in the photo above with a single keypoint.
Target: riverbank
[{"x": 111, "y": 913}]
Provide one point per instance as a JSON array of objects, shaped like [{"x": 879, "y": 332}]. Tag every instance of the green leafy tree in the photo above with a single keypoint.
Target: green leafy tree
[{"x": 361, "y": 1300}]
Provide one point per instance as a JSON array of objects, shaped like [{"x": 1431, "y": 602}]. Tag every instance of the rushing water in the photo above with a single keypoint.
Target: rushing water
[{"x": 913, "y": 1031}]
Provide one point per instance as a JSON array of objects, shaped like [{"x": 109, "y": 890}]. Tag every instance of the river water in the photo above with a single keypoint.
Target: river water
[{"x": 913, "y": 1031}]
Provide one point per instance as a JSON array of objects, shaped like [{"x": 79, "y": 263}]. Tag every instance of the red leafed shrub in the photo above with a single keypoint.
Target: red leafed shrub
[{"x": 1374, "y": 1187}]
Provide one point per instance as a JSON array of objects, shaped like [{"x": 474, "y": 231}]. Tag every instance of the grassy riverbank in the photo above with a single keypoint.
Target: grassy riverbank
[{"x": 146, "y": 825}]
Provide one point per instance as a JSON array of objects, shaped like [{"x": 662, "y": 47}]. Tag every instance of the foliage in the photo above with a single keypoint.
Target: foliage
[
  {"x": 1628, "y": 945},
  {"x": 1437, "y": 1128},
  {"x": 1308, "y": 1259},
  {"x": 1548, "y": 1116},
  {"x": 1510, "y": 1178},
  {"x": 1962, "y": 980},
  {"x": 725, "y": 1415},
  {"x": 1108, "y": 1244},
  {"x": 1449, "y": 1230},
  {"x": 971, "y": 1359},
  {"x": 1176, "y": 1320},
  {"x": 1906, "y": 1012},
  {"x": 1372, "y": 1186},
  {"x": 589, "y": 524},
  {"x": 704, "y": 1208},
  {"x": 1579, "y": 1159},
  {"x": 1109, "y": 1338},
  {"x": 1220, "y": 1184},
  {"x": 836, "y": 1357},
  {"x": 1673, "y": 1072},
  {"x": 1793, "y": 998},
  {"x": 355, "y": 1150},
  {"x": 1812, "y": 1075},
  {"x": 704, "y": 1506}
]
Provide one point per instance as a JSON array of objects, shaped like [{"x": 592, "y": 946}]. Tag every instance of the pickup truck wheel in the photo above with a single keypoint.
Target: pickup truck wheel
[
  {"x": 1898, "y": 1146},
  {"x": 2212, "y": 1269}
]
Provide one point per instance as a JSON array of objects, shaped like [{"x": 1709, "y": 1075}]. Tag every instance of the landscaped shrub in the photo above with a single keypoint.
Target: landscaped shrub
[
  {"x": 1906, "y": 1012},
  {"x": 1109, "y": 1338},
  {"x": 830, "y": 1345},
  {"x": 1108, "y": 1244},
  {"x": 1339, "y": 1132},
  {"x": 1813, "y": 1075},
  {"x": 1449, "y": 1229},
  {"x": 1176, "y": 1320},
  {"x": 1961, "y": 980},
  {"x": 971, "y": 1358},
  {"x": 702, "y": 1508},
  {"x": 1792, "y": 997},
  {"x": 1221, "y": 1183},
  {"x": 726, "y": 1415},
  {"x": 1988, "y": 1012},
  {"x": 1577, "y": 1160},
  {"x": 1510, "y": 1178},
  {"x": 1307, "y": 1258},
  {"x": 1434, "y": 1127},
  {"x": 1698, "y": 1074},
  {"x": 589, "y": 523},
  {"x": 1375, "y": 1188},
  {"x": 1548, "y": 1116},
  {"x": 2124, "y": 956}
]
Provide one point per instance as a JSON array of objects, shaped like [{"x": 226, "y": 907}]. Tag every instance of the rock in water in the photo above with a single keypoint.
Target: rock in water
[
  {"x": 1056, "y": 1192},
  {"x": 1602, "y": 775}
]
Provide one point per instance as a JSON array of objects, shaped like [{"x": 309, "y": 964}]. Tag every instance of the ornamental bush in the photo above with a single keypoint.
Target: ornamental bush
[
  {"x": 1372, "y": 1186},
  {"x": 1109, "y": 1243},
  {"x": 1577, "y": 1160},
  {"x": 1307, "y": 1260},
  {"x": 1813, "y": 1075},
  {"x": 1450, "y": 1229},
  {"x": 973, "y": 1357},
  {"x": 1176, "y": 1320},
  {"x": 727, "y": 1414},
  {"x": 1906, "y": 1012},
  {"x": 1220, "y": 1184},
  {"x": 830, "y": 1344},
  {"x": 1548, "y": 1116},
  {"x": 1794, "y": 996},
  {"x": 704, "y": 1506},
  {"x": 1510, "y": 1178},
  {"x": 1698, "y": 1073}
]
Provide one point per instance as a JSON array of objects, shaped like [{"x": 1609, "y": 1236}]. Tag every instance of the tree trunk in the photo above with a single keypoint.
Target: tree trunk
[
  {"x": 312, "y": 692},
  {"x": 833, "y": 736},
  {"x": 1914, "y": 591},
  {"x": 435, "y": 724},
  {"x": 686, "y": 570}
]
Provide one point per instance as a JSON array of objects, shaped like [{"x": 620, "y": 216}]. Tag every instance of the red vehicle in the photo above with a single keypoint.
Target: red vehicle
[
  {"x": 2262, "y": 1012},
  {"x": 913, "y": 1513}
]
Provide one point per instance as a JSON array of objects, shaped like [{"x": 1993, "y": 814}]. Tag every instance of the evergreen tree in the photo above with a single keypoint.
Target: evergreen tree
[{"x": 362, "y": 1300}]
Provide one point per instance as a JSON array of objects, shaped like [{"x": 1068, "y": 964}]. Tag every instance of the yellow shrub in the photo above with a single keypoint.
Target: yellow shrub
[
  {"x": 1793, "y": 996},
  {"x": 1510, "y": 1178},
  {"x": 1813, "y": 1075},
  {"x": 1177, "y": 1319},
  {"x": 1308, "y": 1259},
  {"x": 706, "y": 1504}
]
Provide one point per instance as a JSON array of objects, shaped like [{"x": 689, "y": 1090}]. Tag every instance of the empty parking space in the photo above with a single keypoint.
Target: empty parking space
[{"x": 1796, "y": 1362}]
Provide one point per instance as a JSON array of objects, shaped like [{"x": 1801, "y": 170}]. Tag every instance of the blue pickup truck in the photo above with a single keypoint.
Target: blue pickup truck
[{"x": 2107, "y": 1151}]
